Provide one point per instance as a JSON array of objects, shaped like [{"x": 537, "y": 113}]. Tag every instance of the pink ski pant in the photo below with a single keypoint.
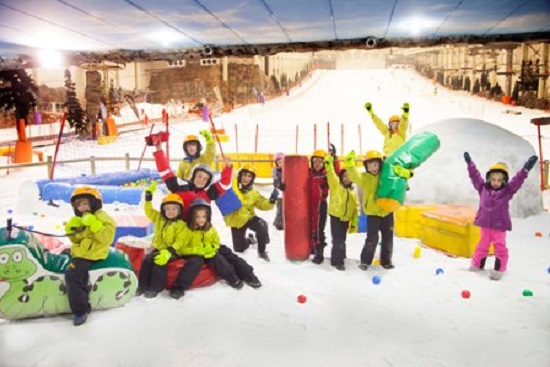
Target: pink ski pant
[{"x": 498, "y": 239}]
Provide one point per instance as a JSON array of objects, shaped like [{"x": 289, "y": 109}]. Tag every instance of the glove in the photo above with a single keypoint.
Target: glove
[
  {"x": 150, "y": 191},
  {"x": 332, "y": 150},
  {"x": 350, "y": 159},
  {"x": 467, "y": 157},
  {"x": 401, "y": 172},
  {"x": 162, "y": 257},
  {"x": 274, "y": 196},
  {"x": 96, "y": 226},
  {"x": 207, "y": 136},
  {"x": 88, "y": 219},
  {"x": 368, "y": 107},
  {"x": 329, "y": 161},
  {"x": 530, "y": 163},
  {"x": 405, "y": 109},
  {"x": 72, "y": 224}
]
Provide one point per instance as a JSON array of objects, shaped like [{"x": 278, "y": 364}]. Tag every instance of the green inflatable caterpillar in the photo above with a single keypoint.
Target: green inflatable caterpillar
[
  {"x": 32, "y": 280},
  {"x": 410, "y": 155}
]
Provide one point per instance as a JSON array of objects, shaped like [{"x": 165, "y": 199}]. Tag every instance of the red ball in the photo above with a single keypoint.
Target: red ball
[
  {"x": 302, "y": 298},
  {"x": 465, "y": 294}
]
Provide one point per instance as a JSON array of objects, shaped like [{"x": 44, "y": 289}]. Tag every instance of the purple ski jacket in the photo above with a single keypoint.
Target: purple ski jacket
[{"x": 494, "y": 209}]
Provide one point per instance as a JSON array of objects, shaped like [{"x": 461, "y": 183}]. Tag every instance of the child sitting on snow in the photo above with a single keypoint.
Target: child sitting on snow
[
  {"x": 378, "y": 220},
  {"x": 245, "y": 217},
  {"x": 91, "y": 232},
  {"x": 343, "y": 211},
  {"x": 493, "y": 215},
  {"x": 171, "y": 234}
]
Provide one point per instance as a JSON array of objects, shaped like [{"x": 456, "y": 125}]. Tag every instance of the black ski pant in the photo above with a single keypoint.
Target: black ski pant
[
  {"x": 152, "y": 277},
  {"x": 187, "y": 274},
  {"x": 241, "y": 267},
  {"x": 222, "y": 268},
  {"x": 319, "y": 237},
  {"x": 256, "y": 225},
  {"x": 77, "y": 277},
  {"x": 278, "y": 222},
  {"x": 384, "y": 225},
  {"x": 338, "y": 230}
]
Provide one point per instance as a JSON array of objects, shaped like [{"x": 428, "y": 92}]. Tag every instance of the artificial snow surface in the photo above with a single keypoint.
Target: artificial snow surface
[{"x": 412, "y": 318}]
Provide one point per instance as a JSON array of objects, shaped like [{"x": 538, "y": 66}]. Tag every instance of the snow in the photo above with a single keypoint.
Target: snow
[{"x": 412, "y": 318}]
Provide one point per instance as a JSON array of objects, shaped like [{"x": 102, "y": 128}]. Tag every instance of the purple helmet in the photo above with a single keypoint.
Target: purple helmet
[{"x": 279, "y": 155}]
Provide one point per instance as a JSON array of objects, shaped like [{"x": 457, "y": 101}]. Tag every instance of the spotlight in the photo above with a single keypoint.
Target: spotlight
[
  {"x": 208, "y": 50},
  {"x": 371, "y": 42}
]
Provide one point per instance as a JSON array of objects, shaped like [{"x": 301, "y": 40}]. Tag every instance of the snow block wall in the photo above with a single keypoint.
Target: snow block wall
[{"x": 443, "y": 179}]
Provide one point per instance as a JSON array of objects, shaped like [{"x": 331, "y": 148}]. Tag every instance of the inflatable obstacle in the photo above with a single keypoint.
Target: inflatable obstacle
[
  {"x": 205, "y": 278},
  {"x": 132, "y": 225},
  {"x": 35, "y": 279},
  {"x": 408, "y": 220}
]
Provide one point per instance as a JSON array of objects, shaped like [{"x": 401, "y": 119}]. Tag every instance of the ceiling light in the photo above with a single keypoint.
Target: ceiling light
[{"x": 50, "y": 59}]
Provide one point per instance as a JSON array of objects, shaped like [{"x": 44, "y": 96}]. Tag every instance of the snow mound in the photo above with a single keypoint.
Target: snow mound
[{"x": 443, "y": 178}]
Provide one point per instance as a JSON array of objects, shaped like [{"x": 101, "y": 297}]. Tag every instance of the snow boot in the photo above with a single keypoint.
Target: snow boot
[
  {"x": 496, "y": 275},
  {"x": 363, "y": 266},
  {"x": 253, "y": 281},
  {"x": 80, "y": 319},
  {"x": 388, "y": 266},
  {"x": 139, "y": 292},
  {"x": 263, "y": 255},
  {"x": 150, "y": 294},
  {"x": 177, "y": 293},
  {"x": 340, "y": 267}
]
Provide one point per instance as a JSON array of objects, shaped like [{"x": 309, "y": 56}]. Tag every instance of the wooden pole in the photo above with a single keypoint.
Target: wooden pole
[
  {"x": 360, "y": 140},
  {"x": 296, "y": 149},
  {"x": 256, "y": 140},
  {"x": 236, "y": 139},
  {"x": 166, "y": 118},
  {"x": 61, "y": 126},
  {"x": 328, "y": 134},
  {"x": 341, "y": 137},
  {"x": 314, "y": 136}
]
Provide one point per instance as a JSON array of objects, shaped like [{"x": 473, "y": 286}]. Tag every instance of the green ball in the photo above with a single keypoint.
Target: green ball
[{"x": 527, "y": 293}]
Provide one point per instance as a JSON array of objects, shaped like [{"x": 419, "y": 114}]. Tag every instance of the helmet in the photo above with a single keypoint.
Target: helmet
[
  {"x": 171, "y": 199},
  {"x": 319, "y": 153},
  {"x": 279, "y": 155},
  {"x": 192, "y": 139},
  {"x": 498, "y": 167},
  {"x": 205, "y": 168},
  {"x": 91, "y": 193},
  {"x": 196, "y": 204},
  {"x": 373, "y": 155},
  {"x": 248, "y": 167},
  {"x": 394, "y": 118}
]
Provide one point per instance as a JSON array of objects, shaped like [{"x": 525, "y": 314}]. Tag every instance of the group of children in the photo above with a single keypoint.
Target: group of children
[{"x": 184, "y": 230}]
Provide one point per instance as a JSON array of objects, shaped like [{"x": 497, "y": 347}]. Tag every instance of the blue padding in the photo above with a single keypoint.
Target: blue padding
[
  {"x": 115, "y": 179},
  {"x": 228, "y": 202},
  {"x": 362, "y": 225},
  {"x": 122, "y": 231},
  {"x": 110, "y": 194}
]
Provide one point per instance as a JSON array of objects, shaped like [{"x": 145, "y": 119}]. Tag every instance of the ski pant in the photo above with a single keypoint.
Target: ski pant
[
  {"x": 385, "y": 226},
  {"x": 498, "y": 238},
  {"x": 338, "y": 230},
  {"x": 152, "y": 277},
  {"x": 76, "y": 279},
  {"x": 187, "y": 274},
  {"x": 319, "y": 238},
  {"x": 241, "y": 267},
  {"x": 258, "y": 226},
  {"x": 278, "y": 222}
]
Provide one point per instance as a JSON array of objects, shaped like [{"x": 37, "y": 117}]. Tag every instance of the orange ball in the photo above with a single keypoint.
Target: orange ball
[{"x": 538, "y": 234}]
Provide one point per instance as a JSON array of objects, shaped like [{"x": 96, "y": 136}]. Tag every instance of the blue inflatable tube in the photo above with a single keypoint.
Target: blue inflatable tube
[
  {"x": 62, "y": 191},
  {"x": 114, "y": 179}
]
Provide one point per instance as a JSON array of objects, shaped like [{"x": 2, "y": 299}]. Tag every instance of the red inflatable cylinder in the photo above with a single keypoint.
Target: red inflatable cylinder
[{"x": 296, "y": 207}]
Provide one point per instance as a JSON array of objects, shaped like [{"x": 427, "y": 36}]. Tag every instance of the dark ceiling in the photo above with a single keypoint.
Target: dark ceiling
[{"x": 127, "y": 30}]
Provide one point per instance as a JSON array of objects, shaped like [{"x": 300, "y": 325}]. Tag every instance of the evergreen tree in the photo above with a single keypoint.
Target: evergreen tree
[
  {"x": 75, "y": 115},
  {"x": 18, "y": 94},
  {"x": 114, "y": 98}
]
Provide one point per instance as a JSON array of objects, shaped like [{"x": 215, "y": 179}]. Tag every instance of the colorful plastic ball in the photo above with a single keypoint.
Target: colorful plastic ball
[
  {"x": 30, "y": 227},
  {"x": 527, "y": 293},
  {"x": 10, "y": 211},
  {"x": 538, "y": 234},
  {"x": 376, "y": 279},
  {"x": 439, "y": 271},
  {"x": 302, "y": 298},
  {"x": 34, "y": 213},
  {"x": 466, "y": 294},
  {"x": 548, "y": 270}
]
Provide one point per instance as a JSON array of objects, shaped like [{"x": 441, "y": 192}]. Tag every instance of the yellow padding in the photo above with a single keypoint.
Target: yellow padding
[
  {"x": 263, "y": 162},
  {"x": 388, "y": 204},
  {"x": 223, "y": 138},
  {"x": 102, "y": 140},
  {"x": 407, "y": 220},
  {"x": 450, "y": 228}
]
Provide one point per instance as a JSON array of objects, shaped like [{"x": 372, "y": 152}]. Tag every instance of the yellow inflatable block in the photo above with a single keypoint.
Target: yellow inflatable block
[
  {"x": 450, "y": 228},
  {"x": 263, "y": 162},
  {"x": 408, "y": 218}
]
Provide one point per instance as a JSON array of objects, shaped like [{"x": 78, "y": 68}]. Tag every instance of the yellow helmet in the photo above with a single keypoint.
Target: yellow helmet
[
  {"x": 498, "y": 167},
  {"x": 189, "y": 138},
  {"x": 394, "y": 118},
  {"x": 192, "y": 139},
  {"x": 91, "y": 193},
  {"x": 373, "y": 154},
  {"x": 171, "y": 199},
  {"x": 247, "y": 167},
  {"x": 319, "y": 153}
]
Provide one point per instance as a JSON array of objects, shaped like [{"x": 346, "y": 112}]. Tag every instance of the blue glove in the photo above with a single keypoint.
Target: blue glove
[
  {"x": 274, "y": 196},
  {"x": 162, "y": 257},
  {"x": 467, "y": 157},
  {"x": 530, "y": 163}
]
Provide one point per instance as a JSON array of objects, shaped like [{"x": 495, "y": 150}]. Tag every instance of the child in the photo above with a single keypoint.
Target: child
[
  {"x": 318, "y": 194},
  {"x": 493, "y": 216},
  {"x": 201, "y": 186},
  {"x": 192, "y": 149},
  {"x": 378, "y": 220},
  {"x": 91, "y": 232},
  {"x": 171, "y": 233},
  {"x": 395, "y": 133},
  {"x": 343, "y": 211},
  {"x": 202, "y": 248},
  {"x": 245, "y": 217},
  {"x": 279, "y": 184}
]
